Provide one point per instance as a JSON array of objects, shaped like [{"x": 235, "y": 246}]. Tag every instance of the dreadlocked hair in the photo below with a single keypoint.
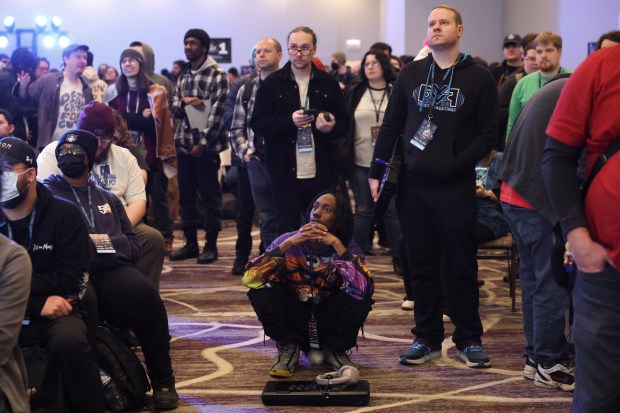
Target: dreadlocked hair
[{"x": 344, "y": 216}]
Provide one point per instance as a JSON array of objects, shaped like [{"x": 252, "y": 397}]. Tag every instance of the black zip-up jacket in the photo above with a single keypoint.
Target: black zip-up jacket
[
  {"x": 276, "y": 100},
  {"x": 58, "y": 250},
  {"x": 466, "y": 119}
]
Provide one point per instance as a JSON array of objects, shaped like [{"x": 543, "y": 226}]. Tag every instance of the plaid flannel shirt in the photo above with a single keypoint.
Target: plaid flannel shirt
[
  {"x": 241, "y": 135},
  {"x": 209, "y": 82}
]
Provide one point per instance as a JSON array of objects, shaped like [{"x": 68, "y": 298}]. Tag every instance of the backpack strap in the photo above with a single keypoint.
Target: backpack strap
[
  {"x": 601, "y": 160},
  {"x": 248, "y": 85}
]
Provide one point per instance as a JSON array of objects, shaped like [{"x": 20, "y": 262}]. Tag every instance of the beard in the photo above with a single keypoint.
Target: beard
[
  {"x": 546, "y": 66},
  {"x": 100, "y": 157}
]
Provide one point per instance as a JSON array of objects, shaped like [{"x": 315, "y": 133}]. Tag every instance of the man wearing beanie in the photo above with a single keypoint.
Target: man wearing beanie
[
  {"x": 198, "y": 101},
  {"x": 144, "y": 105},
  {"x": 340, "y": 70},
  {"x": 125, "y": 298},
  {"x": 52, "y": 231},
  {"x": 59, "y": 96},
  {"x": 117, "y": 170}
]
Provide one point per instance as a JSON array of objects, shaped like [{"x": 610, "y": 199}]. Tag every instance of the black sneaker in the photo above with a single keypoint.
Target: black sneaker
[
  {"x": 187, "y": 251},
  {"x": 560, "y": 376},
  {"x": 238, "y": 267},
  {"x": 474, "y": 356},
  {"x": 165, "y": 395},
  {"x": 208, "y": 256},
  {"x": 419, "y": 353}
]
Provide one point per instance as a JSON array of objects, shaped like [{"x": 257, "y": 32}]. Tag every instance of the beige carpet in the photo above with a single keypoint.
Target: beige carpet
[{"x": 221, "y": 357}]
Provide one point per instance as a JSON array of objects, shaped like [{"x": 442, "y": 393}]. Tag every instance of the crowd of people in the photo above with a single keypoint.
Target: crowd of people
[{"x": 485, "y": 151}]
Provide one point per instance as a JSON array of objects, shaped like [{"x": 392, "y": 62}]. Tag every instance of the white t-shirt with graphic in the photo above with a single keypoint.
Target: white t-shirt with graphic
[{"x": 71, "y": 102}]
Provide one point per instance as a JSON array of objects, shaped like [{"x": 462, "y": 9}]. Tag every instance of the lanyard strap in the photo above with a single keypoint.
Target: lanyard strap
[
  {"x": 431, "y": 88},
  {"x": 137, "y": 101},
  {"x": 30, "y": 228},
  {"x": 91, "y": 221},
  {"x": 377, "y": 109}
]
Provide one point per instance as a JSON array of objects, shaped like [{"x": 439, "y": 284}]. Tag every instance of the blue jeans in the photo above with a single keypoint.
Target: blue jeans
[
  {"x": 596, "y": 330},
  {"x": 263, "y": 200},
  {"x": 365, "y": 213},
  {"x": 544, "y": 302}
]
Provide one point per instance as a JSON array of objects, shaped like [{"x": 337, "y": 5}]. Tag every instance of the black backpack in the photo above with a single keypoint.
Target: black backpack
[
  {"x": 45, "y": 388},
  {"x": 127, "y": 384}
]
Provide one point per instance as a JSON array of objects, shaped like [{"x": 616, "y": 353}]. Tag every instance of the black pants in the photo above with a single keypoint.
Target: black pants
[
  {"x": 285, "y": 318},
  {"x": 157, "y": 188},
  {"x": 127, "y": 299},
  {"x": 440, "y": 221},
  {"x": 245, "y": 214},
  {"x": 199, "y": 176},
  {"x": 66, "y": 339},
  {"x": 292, "y": 201}
]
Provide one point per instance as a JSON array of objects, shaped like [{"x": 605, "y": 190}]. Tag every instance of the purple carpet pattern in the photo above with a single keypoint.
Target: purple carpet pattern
[{"x": 221, "y": 356}]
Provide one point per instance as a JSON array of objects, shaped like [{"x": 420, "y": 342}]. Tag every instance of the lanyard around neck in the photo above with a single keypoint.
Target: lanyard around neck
[
  {"x": 431, "y": 87},
  {"x": 30, "y": 228},
  {"x": 91, "y": 220},
  {"x": 137, "y": 101},
  {"x": 377, "y": 109}
]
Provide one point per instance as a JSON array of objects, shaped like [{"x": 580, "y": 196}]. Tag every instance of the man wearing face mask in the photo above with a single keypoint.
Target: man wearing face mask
[
  {"x": 125, "y": 298},
  {"x": 340, "y": 70},
  {"x": 57, "y": 242}
]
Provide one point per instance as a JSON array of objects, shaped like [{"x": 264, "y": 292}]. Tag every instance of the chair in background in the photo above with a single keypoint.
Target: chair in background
[{"x": 503, "y": 248}]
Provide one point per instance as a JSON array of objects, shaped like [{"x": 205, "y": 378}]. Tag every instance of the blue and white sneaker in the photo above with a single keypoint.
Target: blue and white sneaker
[
  {"x": 419, "y": 353},
  {"x": 474, "y": 356}
]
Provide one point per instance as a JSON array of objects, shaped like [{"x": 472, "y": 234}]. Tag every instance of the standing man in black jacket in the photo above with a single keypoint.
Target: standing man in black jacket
[
  {"x": 444, "y": 108},
  {"x": 57, "y": 241},
  {"x": 300, "y": 111}
]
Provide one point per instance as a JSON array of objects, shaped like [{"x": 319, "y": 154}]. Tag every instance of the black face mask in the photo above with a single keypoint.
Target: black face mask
[
  {"x": 335, "y": 66},
  {"x": 72, "y": 166}
]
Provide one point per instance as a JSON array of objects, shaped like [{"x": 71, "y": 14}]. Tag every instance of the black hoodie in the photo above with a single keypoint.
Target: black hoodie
[
  {"x": 58, "y": 250},
  {"x": 466, "y": 118},
  {"x": 110, "y": 218}
]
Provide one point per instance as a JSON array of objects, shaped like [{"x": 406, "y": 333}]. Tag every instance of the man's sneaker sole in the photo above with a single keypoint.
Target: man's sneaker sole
[
  {"x": 529, "y": 370},
  {"x": 281, "y": 373},
  {"x": 414, "y": 362},
  {"x": 474, "y": 365}
]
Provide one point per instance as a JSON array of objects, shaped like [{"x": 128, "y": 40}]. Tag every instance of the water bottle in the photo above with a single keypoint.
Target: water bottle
[{"x": 115, "y": 401}]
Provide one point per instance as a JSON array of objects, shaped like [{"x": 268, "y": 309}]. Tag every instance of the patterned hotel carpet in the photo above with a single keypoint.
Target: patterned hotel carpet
[{"x": 221, "y": 358}]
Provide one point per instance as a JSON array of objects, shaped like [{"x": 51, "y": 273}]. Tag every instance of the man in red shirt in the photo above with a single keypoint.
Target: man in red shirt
[{"x": 586, "y": 116}]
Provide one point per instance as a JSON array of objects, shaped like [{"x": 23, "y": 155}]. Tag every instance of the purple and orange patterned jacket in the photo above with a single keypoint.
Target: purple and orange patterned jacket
[{"x": 309, "y": 273}]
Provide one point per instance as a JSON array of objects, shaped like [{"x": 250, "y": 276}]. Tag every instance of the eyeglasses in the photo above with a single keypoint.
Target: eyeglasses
[
  {"x": 129, "y": 60},
  {"x": 304, "y": 50},
  {"x": 530, "y": 59},
  {"x": 372, "y": 64},
  {"x": 74, "y": 150}
]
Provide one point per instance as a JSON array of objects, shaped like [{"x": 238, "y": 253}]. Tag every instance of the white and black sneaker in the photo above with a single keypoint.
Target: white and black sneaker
[
  {"x": 560, "y": 376},
  {"x": 287, "y": 361},
  {"x": 529, "y": 370}
]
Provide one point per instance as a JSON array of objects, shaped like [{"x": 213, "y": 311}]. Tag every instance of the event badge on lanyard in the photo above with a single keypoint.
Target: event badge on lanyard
[
  {"x": 374, "y": 130},
  {"x": 103, "y": 243},
  {"x": 304, "y": 139}
]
